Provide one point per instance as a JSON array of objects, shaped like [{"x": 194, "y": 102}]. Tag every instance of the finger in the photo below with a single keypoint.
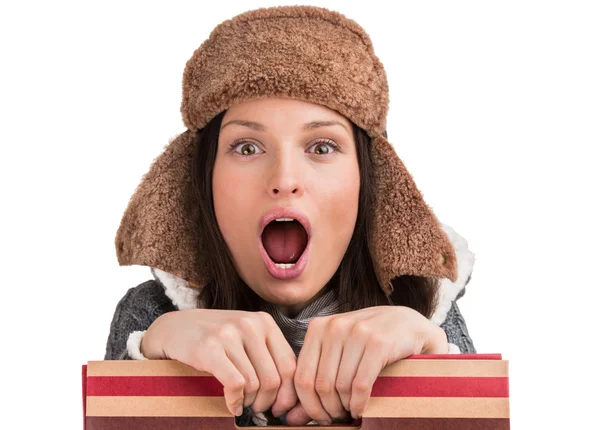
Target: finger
[
  {"x": 329, "y": 363},
  {"x": 371, "y": 363},
  {"x": 285, "y": 361},
  {"x": 268, "y": 376},
  {"x": 304, "y": 380},
  {"x": 297, "y": 416},
  {"x": 221, "y": 367},
  {"x": 237, "y": 355},
  {"x": 351, "y": 358}
]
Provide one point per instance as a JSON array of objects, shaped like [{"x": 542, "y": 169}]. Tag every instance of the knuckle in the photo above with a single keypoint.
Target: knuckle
[
  {"x": 252, "y": 385},
  {"x": 263, "y": 318},
  {"x": 236, "y": 384},
  {"x": 288, "y": 369},
  {"x": 249, "y": 325},
  {"x": 361, "y": 329},
  {"x": 323, "y": 386},
  {"x": 303, "y": 381},
  {"x": 340, "y": 324},
  {"x": 361, "y": 385},
  {"x": 228, "y": 333},
  {"x": 343, "y": 387},
  {"x": 270, "y": 382}
]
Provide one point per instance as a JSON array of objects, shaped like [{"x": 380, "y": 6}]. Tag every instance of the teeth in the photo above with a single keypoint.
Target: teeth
[
  {"x": 284, "y": 219},
  {"x": 285, "y": 266}
]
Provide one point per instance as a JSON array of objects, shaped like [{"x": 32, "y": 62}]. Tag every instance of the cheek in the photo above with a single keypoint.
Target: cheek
[
  {"x": 339, "y": 203},
  {"x": 231, "y": 201}
]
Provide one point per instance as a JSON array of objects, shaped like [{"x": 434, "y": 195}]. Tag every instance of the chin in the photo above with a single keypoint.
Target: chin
[{"x": 286, "y": 292}]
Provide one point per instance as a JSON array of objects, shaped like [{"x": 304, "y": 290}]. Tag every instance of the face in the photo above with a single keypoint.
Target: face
[{"x": 291, "y": 154}]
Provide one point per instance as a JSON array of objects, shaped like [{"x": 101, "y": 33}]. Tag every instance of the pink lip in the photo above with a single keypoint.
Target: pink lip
[{"x": 298, "y": 268}]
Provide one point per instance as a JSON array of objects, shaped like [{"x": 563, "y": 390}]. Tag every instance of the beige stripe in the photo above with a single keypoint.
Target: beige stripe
[
  {"x": 437, "y": 407},
  {"x": 498, "y": 368},
  {"x": 142, "y": 368},
  {"x": 446, "y": 368},
  {"x": 156, "y": 406},
  {"x": 381, "y": 407}
]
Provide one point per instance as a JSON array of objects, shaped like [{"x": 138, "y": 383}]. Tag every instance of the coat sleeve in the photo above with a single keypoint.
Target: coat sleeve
[
  {"x": 456, "y": 328},
  {"x": 136, "y": 311}
]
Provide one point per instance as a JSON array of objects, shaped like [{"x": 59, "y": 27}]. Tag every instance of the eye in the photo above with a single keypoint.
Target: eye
[
  {"x": 248, "y": 148},
  {"x": 328, "y": 145}
]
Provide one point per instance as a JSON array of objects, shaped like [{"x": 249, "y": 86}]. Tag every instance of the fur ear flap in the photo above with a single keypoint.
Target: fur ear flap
[
  {"x": 406, "y": 237},
  {"x": 160, "y": 225}
]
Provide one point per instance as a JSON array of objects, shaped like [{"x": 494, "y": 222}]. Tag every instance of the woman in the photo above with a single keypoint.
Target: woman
[{"x": 293, "y": 255}]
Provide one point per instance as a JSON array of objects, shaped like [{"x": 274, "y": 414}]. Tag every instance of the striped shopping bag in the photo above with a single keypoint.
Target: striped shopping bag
[{"x": 424, "y": 392}]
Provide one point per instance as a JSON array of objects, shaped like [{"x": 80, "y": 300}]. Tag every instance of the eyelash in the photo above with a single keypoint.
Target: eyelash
[{"x": 331, "y": 143}]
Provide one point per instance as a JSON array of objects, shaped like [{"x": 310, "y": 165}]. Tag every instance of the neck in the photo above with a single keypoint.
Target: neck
[{"x": 292, "y": 311}]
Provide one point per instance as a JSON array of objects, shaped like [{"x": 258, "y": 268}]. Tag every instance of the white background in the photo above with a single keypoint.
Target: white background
[{"x": 495, "y": 110}]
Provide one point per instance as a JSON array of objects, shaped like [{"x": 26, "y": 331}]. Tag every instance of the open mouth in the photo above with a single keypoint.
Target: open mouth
[{"x": 284, "y": 247}]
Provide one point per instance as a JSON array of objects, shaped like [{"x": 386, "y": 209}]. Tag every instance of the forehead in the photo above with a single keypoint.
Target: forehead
[{"x": 277, "y": 110}]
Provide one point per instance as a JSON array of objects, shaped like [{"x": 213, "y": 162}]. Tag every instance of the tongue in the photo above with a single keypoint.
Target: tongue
[{"x": 284, "y": 241}]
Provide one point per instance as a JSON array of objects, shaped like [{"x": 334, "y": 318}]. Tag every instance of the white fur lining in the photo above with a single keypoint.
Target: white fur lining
[
  {"x": 449, "y": 290},
  {"x": 178, "y": 290},
  {"x": 185, "y": 297},
  {"x": 453, "y": 349},
  {"x": 134, "y": 342}
]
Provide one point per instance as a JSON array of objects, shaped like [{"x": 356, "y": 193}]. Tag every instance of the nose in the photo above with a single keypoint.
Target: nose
[{"x": 286, "y": 176}]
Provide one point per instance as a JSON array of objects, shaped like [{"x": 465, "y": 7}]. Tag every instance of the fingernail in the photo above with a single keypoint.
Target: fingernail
[
  {"x": 239, "y": 410},
  {"x": 324, "y": 422},
  {"x": 276, "y": 413}
]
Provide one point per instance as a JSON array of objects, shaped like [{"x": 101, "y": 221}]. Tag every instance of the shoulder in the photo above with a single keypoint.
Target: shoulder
[
  {"x": 136, "y": 311},
  {"x": 149, "y": 296}
]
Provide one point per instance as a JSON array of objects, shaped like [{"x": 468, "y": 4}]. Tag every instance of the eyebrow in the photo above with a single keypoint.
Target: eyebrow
[{"x": 308, "y": 126}]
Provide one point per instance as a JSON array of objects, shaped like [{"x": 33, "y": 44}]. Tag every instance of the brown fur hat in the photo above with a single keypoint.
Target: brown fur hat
[{"x": 301, "y": 52}]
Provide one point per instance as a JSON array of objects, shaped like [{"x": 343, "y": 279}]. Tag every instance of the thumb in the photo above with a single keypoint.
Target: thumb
[{"x": 297, "y": 416}]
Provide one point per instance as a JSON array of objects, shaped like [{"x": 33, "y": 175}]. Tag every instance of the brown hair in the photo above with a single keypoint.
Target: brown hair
[{"x": 354, "y": 281}]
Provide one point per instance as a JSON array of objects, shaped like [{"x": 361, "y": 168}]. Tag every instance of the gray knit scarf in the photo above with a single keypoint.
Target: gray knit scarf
[{"x": 294, "y": 329}]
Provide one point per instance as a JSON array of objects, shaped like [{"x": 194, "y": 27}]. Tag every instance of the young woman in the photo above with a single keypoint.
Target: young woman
[{"x": 293, "y": 255}]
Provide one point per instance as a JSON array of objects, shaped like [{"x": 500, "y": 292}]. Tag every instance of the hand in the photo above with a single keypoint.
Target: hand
[
  {"x": 245, "y": 351},
  {"x": 343, "y": 354}
]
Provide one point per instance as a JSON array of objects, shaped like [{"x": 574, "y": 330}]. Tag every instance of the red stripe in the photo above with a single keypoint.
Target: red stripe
[
  {"x": 455, "y": 357},
  {"x": 440, "y": 386},
  {"x": 385, "y": 386},
  {"x": 154, "y": 386},
  {"x": 194, "y": 423},
  {"x": 160, "y": 423},
  {"x": 84, "y": 390},
  {"x": 435, "y": 424}
]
